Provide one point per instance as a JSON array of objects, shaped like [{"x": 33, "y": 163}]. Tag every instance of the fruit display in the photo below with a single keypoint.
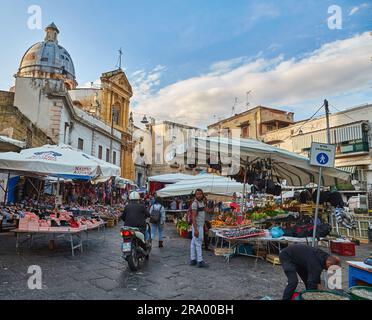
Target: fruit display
[
  {"x": 256, "y": 216},
  {"x": 269, "y": 212},
  {"x": 240, "y": 233},
  {"x": 229, "y": 220}
]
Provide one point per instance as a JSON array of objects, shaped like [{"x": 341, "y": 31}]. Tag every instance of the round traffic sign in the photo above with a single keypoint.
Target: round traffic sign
[{"x": 322, "y": 158}]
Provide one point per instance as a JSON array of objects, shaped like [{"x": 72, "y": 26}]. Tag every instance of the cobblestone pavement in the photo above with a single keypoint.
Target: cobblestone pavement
[{"x": 100, "y": 273}]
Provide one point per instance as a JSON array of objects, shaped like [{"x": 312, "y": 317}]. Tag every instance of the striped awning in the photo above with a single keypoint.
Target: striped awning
[{"x": 349, "y": 169}]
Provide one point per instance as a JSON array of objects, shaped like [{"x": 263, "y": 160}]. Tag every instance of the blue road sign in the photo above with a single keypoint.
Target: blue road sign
[{"x": 322, "y": 158}]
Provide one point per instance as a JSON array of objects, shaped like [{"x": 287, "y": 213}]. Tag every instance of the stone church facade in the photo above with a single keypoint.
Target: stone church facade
[{"x": 94, "y": 120}]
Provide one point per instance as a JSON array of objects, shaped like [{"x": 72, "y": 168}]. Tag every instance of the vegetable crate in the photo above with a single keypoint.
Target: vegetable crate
[
  {"x": 224, "y": 251},
  {"x": 274, "y": 259}
]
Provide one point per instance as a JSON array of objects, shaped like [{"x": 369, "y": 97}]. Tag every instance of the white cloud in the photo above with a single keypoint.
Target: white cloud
[
  {"x": 353, "y": 10},
  {"x": 145, "y": 83},
  {"x": 337, "y": 68},
  {"x": 357, "y": 8}
]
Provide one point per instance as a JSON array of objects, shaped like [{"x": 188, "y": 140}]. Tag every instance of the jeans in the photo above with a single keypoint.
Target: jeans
[
  {"x": 157, "y": 228},
  {"x": 291, "y": 271},
  {"x": 196, "y": 245}
]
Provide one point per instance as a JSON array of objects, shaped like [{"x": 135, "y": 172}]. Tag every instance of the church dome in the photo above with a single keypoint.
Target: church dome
[{"x": 48, "y": 59}]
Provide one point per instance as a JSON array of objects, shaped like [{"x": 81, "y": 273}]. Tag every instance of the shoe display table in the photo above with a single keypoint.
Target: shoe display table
[{"x": 74, "y": 236}]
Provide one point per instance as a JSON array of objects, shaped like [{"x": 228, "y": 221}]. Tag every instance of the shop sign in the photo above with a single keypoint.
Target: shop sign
[
  {"x": 83, "y": 171},
  {"x": 46, "y": 155}
]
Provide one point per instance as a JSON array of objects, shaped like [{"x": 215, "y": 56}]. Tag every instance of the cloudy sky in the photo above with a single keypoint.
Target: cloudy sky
[{"x": 194, "y": 61}]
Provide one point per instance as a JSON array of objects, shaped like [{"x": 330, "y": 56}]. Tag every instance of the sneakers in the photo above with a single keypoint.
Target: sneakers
[
  {"x": 202, "y": 264},
  {"x": 193, "y": 263}
]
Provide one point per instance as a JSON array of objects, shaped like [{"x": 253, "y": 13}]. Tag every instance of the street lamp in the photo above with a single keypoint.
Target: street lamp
[{"x": 144, "y": 120}]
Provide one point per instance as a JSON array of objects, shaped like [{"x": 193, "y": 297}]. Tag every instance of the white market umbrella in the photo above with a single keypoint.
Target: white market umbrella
[
  {"x": 209, "y": 184},
  {"x": 169, "y": 178},
  {"x": 59, "y": 161},
  {"x": 186, "y": 189}
]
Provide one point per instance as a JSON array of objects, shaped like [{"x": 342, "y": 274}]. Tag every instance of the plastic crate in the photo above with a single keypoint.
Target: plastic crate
[{"x": 343, "y": 248}]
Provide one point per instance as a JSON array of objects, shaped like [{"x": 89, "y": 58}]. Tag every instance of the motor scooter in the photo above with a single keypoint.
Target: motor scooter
[{"x": 136, "y": 247}]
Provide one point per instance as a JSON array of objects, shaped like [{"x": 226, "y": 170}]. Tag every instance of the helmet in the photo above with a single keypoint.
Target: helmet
[{"x": 134, "y": 196}]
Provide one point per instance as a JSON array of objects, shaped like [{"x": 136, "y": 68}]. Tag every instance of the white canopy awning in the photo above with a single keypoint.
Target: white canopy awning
[
  {"x": 169, "y": 178},
  {"x": 59, "y": 161},
  {"x": 296, "y": 169},
  {"x": 208, "y": 183}
]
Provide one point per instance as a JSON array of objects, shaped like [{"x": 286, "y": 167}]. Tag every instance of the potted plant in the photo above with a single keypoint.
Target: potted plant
[{"x": 182, "y": 227}]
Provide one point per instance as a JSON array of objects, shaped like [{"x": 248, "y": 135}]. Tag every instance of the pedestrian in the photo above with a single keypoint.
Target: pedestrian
[
  {"x": 199, "y": 208},
  {"x": 173, "y": 204},
  {"x": 157, "y": 219},
  {"x": 308, "y": 263}
]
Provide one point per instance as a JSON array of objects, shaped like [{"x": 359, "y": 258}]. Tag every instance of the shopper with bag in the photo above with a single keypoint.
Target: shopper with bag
[{"x": 157, "y": 219}]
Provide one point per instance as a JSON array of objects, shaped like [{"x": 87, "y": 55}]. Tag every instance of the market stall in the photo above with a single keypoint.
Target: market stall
[
  {"x": 158, "y": 182},
  {"x": 47, "y": 215},
  {"x": 264, "y": 170}
]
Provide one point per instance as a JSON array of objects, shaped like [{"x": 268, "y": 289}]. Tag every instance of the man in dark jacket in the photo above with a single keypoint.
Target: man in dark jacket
[
  {"x": 308, "y": 263},
  {"x": 135, "y": 213}
]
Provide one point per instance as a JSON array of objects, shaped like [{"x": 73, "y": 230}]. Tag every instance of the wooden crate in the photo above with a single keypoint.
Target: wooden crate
[
  {"x": 110, "y": 223},
  {"x": 260, "y": 253},
  {"x": 273, "y": 258},
  {"x": 223, "y": 251}
]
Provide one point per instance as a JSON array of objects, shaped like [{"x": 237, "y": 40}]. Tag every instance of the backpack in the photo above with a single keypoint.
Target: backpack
[
  {"x": 323, "y": 230},
  {"x": 155, "y": 214},
  {"x": 189, "y": 214}
]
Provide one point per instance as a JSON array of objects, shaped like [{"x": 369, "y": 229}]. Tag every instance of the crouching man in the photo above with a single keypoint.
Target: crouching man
[{"x": 308, "y": 263}]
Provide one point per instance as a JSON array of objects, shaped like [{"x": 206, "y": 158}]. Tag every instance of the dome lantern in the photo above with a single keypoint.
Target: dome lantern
[{"x": 51, "y": 33}]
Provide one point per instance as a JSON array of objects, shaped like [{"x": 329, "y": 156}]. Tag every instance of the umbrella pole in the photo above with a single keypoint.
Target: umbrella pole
[
  {"x": 317, "y": 205},
  {"x": 57, "y": 194},
  {"x": 6, "y": 189},
  {"x": 244, "y": 185}
]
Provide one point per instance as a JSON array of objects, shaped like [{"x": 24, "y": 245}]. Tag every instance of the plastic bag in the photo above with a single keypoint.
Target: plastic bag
[{"x": 276, "y": 232}]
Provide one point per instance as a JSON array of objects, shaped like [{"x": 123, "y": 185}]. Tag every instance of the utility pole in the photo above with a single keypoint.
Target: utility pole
[{"x": 326, "y": 107}]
